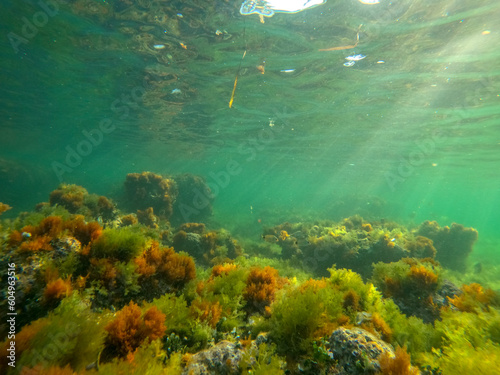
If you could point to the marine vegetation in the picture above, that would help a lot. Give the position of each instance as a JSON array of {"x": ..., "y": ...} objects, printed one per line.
[
  {"x": 177, "y": 199},
  {"x": 120, "y": 244},
  {"x": 414, "y": 285},
  {"x": 101, "y": 289},
  {"x": 400, "y": 364},
  {"x": 4, "y": 207},
  {"x": 149, "y": 190},
  {"x": 131, "y": 328},
  {"x": 162, "y": 270},
  {"x": 453, "y": 243},
  {"x": 207, "y": 247},
  {"x": 260, "y": 289},
  {"x": 355, "y": 244},
  {"x": 77, "y": 200}
]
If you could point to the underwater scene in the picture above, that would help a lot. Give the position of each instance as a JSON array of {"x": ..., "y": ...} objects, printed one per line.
[{"x": 250, "y": 187}]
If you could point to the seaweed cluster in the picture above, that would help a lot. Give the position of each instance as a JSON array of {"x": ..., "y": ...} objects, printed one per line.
[
  {"x": 148, "y": 190},
  {"x": 177, "y": 199},
  {"x": 123, "y": 296},
  {"x": 355, "y": 243},
  {"x": 208, "y": 247},
  {"x": 77, "y": 200},
  {"x": 4, "y": 207},
  {"x": 453, "y": 243}
]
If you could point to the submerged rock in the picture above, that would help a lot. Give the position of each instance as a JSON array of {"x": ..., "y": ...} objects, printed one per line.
[
  {"x": 64, "y": 246},
  {"x": 221, "y": 359},
  {"x": 357, "y": 351},
  {"x": 226, "y": 358}
]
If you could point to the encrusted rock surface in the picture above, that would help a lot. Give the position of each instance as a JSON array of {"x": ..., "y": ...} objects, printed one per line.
[
  {"x": 222, "y": 359},
  {"x": 357, "y": 351}
]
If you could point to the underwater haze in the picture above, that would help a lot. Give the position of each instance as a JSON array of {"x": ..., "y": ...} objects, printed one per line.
[{"x": 414, "y": 123}]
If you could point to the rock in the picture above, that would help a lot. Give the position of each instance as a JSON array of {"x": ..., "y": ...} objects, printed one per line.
[
  {"x": 221, "y": 359},
  {"x": 447, "y": 290},
  {"x": 225, "y": 358},
  {"x": 64, "y": 246},
  {"x": 357, "y": 351},
  {"x": 190, "y": 243}
]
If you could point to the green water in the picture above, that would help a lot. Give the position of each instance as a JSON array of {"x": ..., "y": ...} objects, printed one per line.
[{"x": 410, "y": 133}]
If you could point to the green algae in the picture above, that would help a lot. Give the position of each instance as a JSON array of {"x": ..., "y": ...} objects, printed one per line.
[
  {"x": 72, "y": 335},
  {"x": 122, "y": 244}
]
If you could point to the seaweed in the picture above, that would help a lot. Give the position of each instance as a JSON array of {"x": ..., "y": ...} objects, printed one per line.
[
  {"x": 398, "y": 365},
  {"x": 163, "y": 270},
  {"x": 73, "y": 274},
  {"x": 121, "y": 244},
  {"x": 260, "y": 290},
  {"x": 303, "y": 314},
  {"x": 77, "y": 200},
  {"x": 71, "y": 334},
  {"x": 149, "y": 190},
  {"x": 206, "y": 311},
  {"x": 55, "y": 291},
  {"x": 413, "y": 284},
  {"x": 453, "y": 244},
  {"x": 467, "y": 344},
  {"x": 4, "y": 207},
  {"x": 131, "y": 328},
  {"x": 475, "y": 298}
]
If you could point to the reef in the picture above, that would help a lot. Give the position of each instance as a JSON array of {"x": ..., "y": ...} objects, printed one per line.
[
  {"x": 453, "y": 244},
  {"x": 148, "y": 190},
  {"x": 356, "y": 244},
  {"x": 416, "y": 286},
  {"x": 177, "y": 199},
  {"x": 207, "y": 246},
  {"x": 106, "y": 288},
  {"x": 77, "y": 200}
]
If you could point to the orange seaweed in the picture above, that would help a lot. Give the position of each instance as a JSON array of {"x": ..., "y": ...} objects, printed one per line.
[
  {"x": 198, "y": 228},
  {"x": 4, "y": 207},
  {"x": 206, "y": 311},
  {"x": 83, "y": 232},
  {"x": 56, "y": 290},
  {"x": 424, "y": 278},
  {"x": 35, "y": 245},
  {"x": 381, "y": 327},
  {"x": 51, "y": 226},
  {"x": 260, "y": 288},
  {"x": 39, "y": 237},
  {"x": 474, "y": 298},
  {"x": 128, "y": 330},
  {"x": 400, "y": 364},
  {"x": 175, "y": 269},
  {"x": 222, "y": 269},
  {"x": 15, "y": 238}
]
